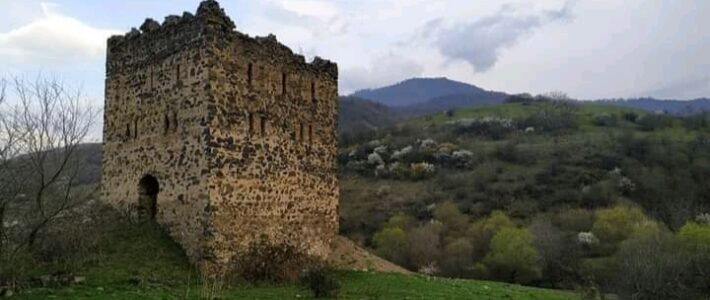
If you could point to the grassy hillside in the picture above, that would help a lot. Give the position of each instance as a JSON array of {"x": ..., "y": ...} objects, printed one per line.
[
  {"x": 143, "y": 263},
  {"x": 583, "y": 188}
]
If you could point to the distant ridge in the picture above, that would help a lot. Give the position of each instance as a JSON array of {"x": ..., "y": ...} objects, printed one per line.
[
  {"x": 420, "y": 90},
  {"x": 370, "y": 109},
  {"x": 671, "y": 106}
]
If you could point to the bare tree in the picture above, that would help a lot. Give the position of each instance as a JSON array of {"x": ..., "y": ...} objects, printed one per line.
[{"x": 43, "y": 124}]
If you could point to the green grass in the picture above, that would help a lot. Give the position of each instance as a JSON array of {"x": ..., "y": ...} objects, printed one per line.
[{"x": 143, "y": 263}]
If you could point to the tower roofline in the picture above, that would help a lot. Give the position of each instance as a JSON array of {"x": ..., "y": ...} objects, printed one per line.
[{"x": 211, "y": 14}]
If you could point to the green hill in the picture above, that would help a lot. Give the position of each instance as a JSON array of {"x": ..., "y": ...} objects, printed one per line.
[
  {"x": 583, "y": 187},
  {"x": 141, "y": 262}
]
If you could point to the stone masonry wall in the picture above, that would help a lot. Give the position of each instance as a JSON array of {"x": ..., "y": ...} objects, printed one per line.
[
  {"x": 239, "y": 132},
  {"x": 154, "y": 122},
  {"x": 273, "y": 147}
]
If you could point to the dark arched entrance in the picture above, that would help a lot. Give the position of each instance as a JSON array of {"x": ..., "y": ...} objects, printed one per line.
[{"x": 148, "y": 189}]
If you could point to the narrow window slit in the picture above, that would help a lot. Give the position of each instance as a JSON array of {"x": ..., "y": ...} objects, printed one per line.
[
  {"x": 300, "y": 133},
  {"x": 262, "y": 125},
  {"x": 251, "y": 124},
  {"x": 283, "y": 83},
  {"x": 250, "y": 74},
  {"x": 166, "y": 124}
]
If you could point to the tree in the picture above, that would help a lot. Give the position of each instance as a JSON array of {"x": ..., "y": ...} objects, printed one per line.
[
  {"x": 425, "y": 245},
  {"x": 457, "y": 259},
  {"x": 694, "y": 240},
  {"x": 482, "y": 231},
  {"x": 455, "y": 222},
  {"x": 616, "y": 224},
  {"x": 40, "y": 132},
  {"x": 649, "y": 267},
  {"x": 392, "y": 244},
  {"x": 513, "y": 257}
]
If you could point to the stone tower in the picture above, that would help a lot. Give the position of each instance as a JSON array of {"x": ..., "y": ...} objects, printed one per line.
[{"x": 224, "y": 139}]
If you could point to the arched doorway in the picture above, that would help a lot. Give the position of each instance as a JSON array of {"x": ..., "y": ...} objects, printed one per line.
[{"x": 148, "y": 189}]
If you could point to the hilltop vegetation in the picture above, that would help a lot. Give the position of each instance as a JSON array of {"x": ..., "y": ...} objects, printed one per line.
[
  {"x": 547, "y": 193},
  {"x": 119, "y": 260}
]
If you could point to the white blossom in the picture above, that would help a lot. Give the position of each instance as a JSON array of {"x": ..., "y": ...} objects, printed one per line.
[
  {"x": 375, "y": 159},
  {"x": 587, "y": 238},
  {"x": 399, "y": 154}
]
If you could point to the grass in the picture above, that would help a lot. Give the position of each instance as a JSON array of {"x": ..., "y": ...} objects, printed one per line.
[{"x": 143, "y": 263}]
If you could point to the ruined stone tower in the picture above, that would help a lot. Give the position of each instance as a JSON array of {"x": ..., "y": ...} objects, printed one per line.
[{"x": 224, "y": 139}]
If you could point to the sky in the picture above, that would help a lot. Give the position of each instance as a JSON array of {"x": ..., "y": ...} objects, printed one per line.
[{"x": 589, "y": 49}]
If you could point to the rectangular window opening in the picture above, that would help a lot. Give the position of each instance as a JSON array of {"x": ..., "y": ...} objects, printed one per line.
[
  {"x": 262, "y": 125},
  {"x": 251, "y": 124},
  {"x": 250, "y": 74},
  {"x": 283, "y": 83}
]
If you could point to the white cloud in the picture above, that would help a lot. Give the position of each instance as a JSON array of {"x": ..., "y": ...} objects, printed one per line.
[
  {"x": 383, "y": 70},
  {"x": 53, "y": 39},
  {"x": 310, "y": 8},
  {"x": 480, "y": 43}
]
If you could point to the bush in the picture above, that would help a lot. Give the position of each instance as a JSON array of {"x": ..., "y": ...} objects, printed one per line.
[
  {"x": 392, "y": 244},
  {"x": 614, "y": 225},
  {"x": 553, "y": 116},
  {"x": 267, "y": 262},
  {"x": 425, "y": 246},
  {"x": 650, "y": 268},
  {"x": 321, "y": 281},
  {"x": 653, "y": 122},
  {"x": 605, "y": 120},
  {"x": 457, "y": 259},
  {"x": 630, "y": 116},
  {"x": 694, "y": 240},
  {"x": 513, "y": 257},
  {"x": 421, "y": 171},
  {"x": 574, "y": 220},
  {"x": 481, "y": 232},
  {"x": 455, "y": 223}
]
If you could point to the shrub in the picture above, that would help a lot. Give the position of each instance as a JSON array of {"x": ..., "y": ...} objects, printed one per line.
[
  {"x": 630, "y": 116},
  {"x": 392, "y": 244},
  {"x": 425, "y": 245},
  {"x": 422, "y": 170},
  {"x": 455, "y": 222},
  {"x": 553, "y": 116},
  {"x": 482, "y": 231},
  {"x": 513, "y": 257},
  {"x": 321, "y": 281},
  {"x": 457, "y": 259},
  {"x": 267, "y": 262},
  {"x": 616, "y": 224},
  {"x": 694, "y": 240},
  {"x": 653, "y": 122},
  {"x": 574, "y": 220},
  {"x": 492, "y": 127},
  {"x": 650, "y": 268},
  {"x": 605, "y": 120}
]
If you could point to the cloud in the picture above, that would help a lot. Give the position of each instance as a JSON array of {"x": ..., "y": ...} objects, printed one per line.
[
  {"x": 480, "y": 42},
  {"x": 319, "y": 17},
  {"x": 310, "y": 8},
  {"x": 383, "y": 70},
  {"x": 53, "y": 39}
]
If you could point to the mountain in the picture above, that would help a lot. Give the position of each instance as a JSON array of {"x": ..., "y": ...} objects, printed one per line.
[
  {"x": 421, "y": 90},
  {"x": 677, "y": 107},
  {"x": 452, "y": 101},
  {"x": 357, "y": 114}
]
